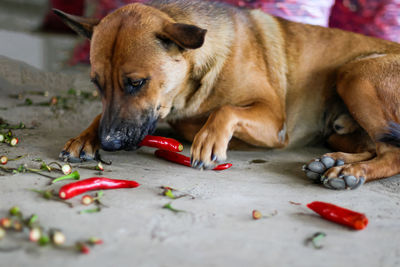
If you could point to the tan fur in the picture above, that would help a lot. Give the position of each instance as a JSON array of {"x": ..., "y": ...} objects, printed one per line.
[{"x": 264, "y": 80}]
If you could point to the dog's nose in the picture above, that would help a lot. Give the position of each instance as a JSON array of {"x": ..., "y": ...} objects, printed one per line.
[{"x": 110, "y": 143}]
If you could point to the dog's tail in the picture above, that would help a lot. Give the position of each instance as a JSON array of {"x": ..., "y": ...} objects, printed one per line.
[{"x": 391, "y": 135}]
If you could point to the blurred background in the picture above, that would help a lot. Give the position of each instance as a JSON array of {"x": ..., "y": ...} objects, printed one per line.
[{"x": 30, "y": 32}]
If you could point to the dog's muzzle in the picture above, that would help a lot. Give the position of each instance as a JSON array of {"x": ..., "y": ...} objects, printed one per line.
[{"x": 125, "y": 135}]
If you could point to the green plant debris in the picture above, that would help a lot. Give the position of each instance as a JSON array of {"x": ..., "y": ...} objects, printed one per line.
[
  {"x": 30, "y": 231},
  {"x": 8, "y": 126},
  {"x": 51, "y": 195},
  {"x": 94, "y": 210},
  {"x": 169, "y": 207},
  {"x": 74, "y": 176},
  {"x": 174, "y": 193},
  {"x": 316, "y": 239}
]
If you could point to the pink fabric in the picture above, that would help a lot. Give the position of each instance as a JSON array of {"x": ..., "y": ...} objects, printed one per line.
[
  {"x": 379, "y": 18},
  {"x": 305, "y": 11}
]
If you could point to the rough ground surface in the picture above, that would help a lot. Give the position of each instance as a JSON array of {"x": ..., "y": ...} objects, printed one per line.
[{"x": 216, "y": 230}]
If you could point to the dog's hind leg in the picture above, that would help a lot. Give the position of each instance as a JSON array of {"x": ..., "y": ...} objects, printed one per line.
[
  {"x": 83, "y": 147},
  {"x": 371, "y": 91}
]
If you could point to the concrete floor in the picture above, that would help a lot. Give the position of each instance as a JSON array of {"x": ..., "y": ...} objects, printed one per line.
[{"x": 216, "y": 230}]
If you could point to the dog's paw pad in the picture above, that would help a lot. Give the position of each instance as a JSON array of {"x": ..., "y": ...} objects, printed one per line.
[
  {"x": 343, "y": 182},
  {"x": 313, "y": 175},
  {"x": 315, "y": 169},
  {"x": 316, "y": 166},
  {"x": 328, "y": 162}
]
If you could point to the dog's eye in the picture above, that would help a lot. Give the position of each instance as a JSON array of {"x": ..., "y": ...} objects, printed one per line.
[
  {"x": 132, "y": 86},
  {"x": 96, "y": 82}
]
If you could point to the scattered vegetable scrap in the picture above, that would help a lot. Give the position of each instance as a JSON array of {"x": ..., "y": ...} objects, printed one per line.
[
  {"x": 9, "y": 138},
  {"x": 94, "y": 183},
  {"x": 174, "y": 193},
  {"x": 51, "y": 195},
  {"x": 355, "y": 220},
  {"x": 168, "y": 206},
  {"x": 3, "y": 160},
  {"x": 66, "y": 169},
  {"x": 4, "y": 125},
  {"x": 14, "y": 141},
  {"x": 295, "y": 203},
  {"x": 88, "y": 199},
  {"x": 162, "y": 143},
  {"x": 315, "y": 240},
  {"x": 69, "y": 102},
  {"x": 74, "y": 175},
  {"x": 256, "y": 215},
  {"x": 183, "y": 160},
  {"x": 35, "y": 233},
  {"x": 5, "y": 222},
  {"x": 57, "y": 237},
  {"x": 94, "y": 210},
  {"x": 98, "y": 167}
]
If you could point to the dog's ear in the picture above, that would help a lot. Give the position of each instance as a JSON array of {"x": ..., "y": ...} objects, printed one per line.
[
  {"x": 185, "y": 35},
  {"x": 83, "y": 26}
]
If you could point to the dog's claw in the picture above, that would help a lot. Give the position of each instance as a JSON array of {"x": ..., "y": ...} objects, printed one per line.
[
  {"x": 200, "y": 164},
  {"x": 83, "y": 156},
  {"x": 194, "y": 164},
  {"x": 86, "y": 157}
]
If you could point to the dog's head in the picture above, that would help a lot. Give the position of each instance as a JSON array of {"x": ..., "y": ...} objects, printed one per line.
[{"x": 138, "y": 65}]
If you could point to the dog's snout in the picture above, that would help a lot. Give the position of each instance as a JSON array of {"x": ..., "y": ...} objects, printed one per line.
[{"x": 111, "y": 143}]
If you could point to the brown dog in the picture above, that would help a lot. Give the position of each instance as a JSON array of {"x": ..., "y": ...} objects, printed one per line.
[{"x": 216, "y": 72}]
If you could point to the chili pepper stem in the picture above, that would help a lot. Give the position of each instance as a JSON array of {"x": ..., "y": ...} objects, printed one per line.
[
  {"x": 169, "y": 207},
  {"x": 74, "y": 175}
]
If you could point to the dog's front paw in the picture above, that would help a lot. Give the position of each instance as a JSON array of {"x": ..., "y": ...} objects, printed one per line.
[
  {"x": 81, "y": 148},
  {"x": 209, "y": 148}
]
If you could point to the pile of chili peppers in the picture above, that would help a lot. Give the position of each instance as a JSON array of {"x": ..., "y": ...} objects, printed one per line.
[{"x": 168, "y": 148}]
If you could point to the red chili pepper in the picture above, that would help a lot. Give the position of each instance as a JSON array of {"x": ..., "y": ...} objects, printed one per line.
[
  {"x": 330, "y": 212},
  {"x": 183, "y": 160},
  {"x": 162, "y": 143},
  {"x": 94, "y": 183}
]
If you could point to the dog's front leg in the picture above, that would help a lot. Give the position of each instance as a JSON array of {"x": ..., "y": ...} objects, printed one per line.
[
  {"x": 257, "y": 124},
  {"x": 83, "y": 147}
]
